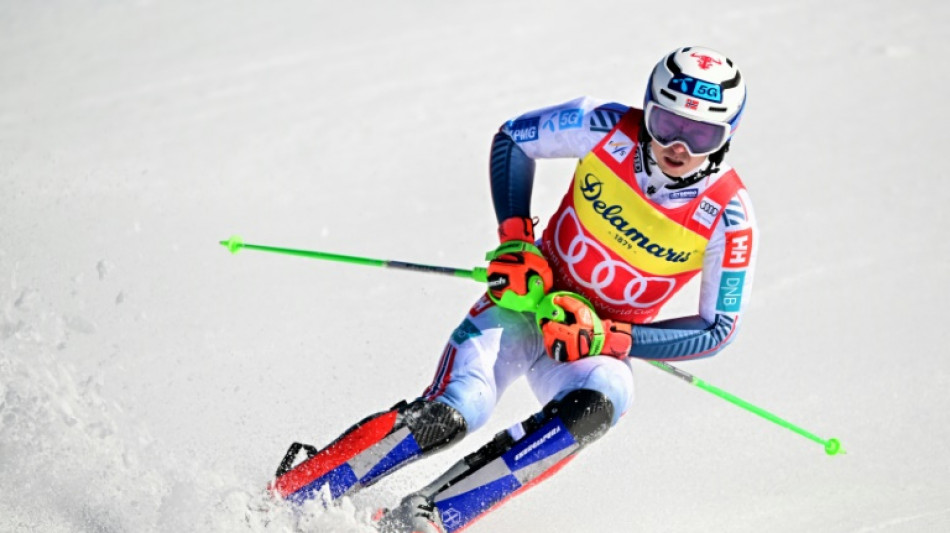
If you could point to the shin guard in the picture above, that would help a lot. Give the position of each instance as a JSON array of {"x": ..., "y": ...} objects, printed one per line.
[
  {"x": 513, "y": 461},
  {"x": 377, "y": 446}
]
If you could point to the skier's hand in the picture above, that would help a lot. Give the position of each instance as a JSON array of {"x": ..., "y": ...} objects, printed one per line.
[
  {"x": 618, "y": 339},
  {"x": 576, "y": 331},
  {"x": 516, "y": 229},
  {"x": 518, "y": 274}
]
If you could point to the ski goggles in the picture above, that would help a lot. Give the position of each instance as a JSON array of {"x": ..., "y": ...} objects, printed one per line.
[{"x": 700, "y": 138}]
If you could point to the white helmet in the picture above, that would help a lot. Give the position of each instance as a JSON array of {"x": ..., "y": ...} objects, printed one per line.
[{"x": 700, "y": 84}]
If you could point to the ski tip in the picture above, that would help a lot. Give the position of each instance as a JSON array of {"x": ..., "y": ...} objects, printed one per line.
[
  {"x": 833, "y": 447},
  {"x": 234, "y": 244}
]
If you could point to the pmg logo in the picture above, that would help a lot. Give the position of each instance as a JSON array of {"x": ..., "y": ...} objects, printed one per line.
[
  {"x": 524, "y": 129},
  {"x": 704, "y": 61}
]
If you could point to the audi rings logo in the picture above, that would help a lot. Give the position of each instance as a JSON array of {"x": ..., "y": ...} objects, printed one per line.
[
  {"x": 709, "y": 208},
  {"x": 592, "y": 266}
]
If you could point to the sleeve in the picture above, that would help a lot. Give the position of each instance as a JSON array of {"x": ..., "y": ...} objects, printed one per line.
[
  {"x": 570, "y": 130},
  {"x": 725, "y": 291}
]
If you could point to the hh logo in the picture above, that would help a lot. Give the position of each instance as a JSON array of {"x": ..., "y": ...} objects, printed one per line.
[{"x": 738, "y": 249}]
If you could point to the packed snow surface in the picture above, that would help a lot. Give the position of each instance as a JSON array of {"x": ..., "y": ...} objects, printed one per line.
[{"x": 151, "y": 381}]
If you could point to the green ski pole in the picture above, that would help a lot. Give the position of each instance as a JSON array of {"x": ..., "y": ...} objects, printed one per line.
[
  {"x": 236, "y": 244},
  {"x": 832, "y": 446}
]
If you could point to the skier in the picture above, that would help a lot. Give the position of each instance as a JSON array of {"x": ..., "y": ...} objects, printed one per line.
[{"x": 651, "y": 205}]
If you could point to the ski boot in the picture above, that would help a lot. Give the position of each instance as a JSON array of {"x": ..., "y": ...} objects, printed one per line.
[
  {"x": 513, "y": 461},
  {"x": 415, "y": 514},
  {"x": 368, "y": 451}
]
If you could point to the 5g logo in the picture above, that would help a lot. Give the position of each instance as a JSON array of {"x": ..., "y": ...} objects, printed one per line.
[
  {"x": 711, "y": 92},
  {"x": 707, "y": 91}
]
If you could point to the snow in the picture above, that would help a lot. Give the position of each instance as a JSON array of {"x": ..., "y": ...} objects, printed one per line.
[{"x": 150, "y": 381}]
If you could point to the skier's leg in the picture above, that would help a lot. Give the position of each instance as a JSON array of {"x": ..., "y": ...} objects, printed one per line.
[
  {"x": 460, "y": 398},
  {"x": 551, "y": 380},
  {"x": 516, "y": 459},
  {"x": 371, "y": 449},
  {"x": 490, "y": 349}
]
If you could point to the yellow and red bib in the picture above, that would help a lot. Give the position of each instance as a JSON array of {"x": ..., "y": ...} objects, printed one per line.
[{"x": 610, "y": 243}]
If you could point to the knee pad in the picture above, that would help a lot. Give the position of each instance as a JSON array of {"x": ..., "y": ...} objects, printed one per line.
[
  {"x": 434, "y": 425},
  {"x": 616, "y": 386},
  {"x": 587, "y": 414}
]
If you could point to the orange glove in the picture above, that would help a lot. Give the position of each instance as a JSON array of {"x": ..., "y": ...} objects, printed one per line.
[
  {"x": 516, "y": 229},
  {"x": 572, "y": 336},
  {"x": 518, "y": 274},
  {"x": 618, "y": 339},
  {"x": 576, "y": 332}
]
